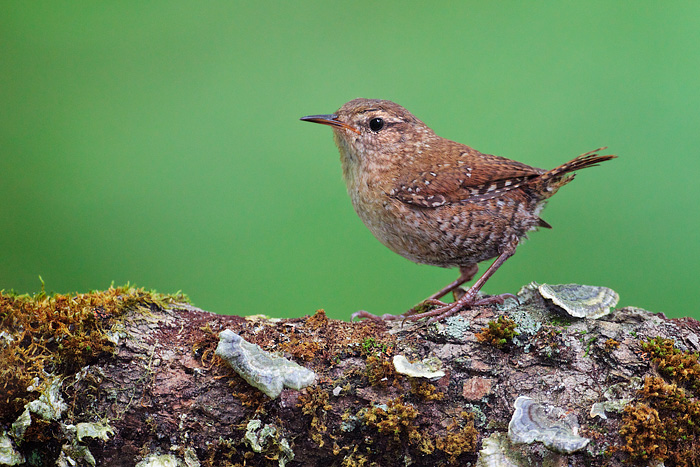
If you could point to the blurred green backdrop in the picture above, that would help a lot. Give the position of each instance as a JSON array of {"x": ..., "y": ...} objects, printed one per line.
[{"x": 159, "y": 143}]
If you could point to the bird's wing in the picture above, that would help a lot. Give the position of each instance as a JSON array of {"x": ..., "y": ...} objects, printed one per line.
[{"x": 461, "y": 175}]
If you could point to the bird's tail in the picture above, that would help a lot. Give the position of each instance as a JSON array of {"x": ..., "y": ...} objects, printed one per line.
[{"x": 554, "y": 179}]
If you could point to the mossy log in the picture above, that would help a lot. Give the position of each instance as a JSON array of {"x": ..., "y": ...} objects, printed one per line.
[{"x": 142, "y": 369}]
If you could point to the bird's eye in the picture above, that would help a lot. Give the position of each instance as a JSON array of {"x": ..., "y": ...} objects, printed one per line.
[{"x": 376, "y": 124}]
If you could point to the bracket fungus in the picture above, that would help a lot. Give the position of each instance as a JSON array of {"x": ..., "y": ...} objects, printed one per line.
[
  {"x": 426, "y": 369},
  {"x": 547, "y": 424},
  {"x": 581, "y": 301},
  {"x": 263, "y": 370}
]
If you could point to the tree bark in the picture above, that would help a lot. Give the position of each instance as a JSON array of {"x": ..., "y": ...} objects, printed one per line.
[{"x": 164, "y": 392}]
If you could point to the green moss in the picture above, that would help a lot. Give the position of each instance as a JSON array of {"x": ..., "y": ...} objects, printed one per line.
[
  {"x": 674, "y": 364},
  {"x": 372, "y": 346},
  {"x": 560, "y": 321},
  {"x": 498, "y": 333},
  {"x": 588, "y": 343}
]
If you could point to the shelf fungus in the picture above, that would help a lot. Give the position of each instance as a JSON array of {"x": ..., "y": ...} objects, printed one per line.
[
  {"x": 580, "y": 301},
  {"x": 425, "y": 369},
  {"x": 547, "y": 424},
  {"x": 263, "y": 370}
]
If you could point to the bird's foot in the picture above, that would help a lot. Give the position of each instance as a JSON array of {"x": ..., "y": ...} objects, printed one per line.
[
  {"x": 445, "y": 310},
  {"x": 423, "y": 307},
  {"x": 437, "y": 310},
  {"x": 362, "y": 314}
]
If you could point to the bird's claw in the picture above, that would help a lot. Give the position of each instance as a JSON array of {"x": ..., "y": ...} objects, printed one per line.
[{"x": 436, "y": 310}]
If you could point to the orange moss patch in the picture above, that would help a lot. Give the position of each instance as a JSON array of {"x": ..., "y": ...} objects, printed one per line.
[
  {"x": 498, "y": 333},
  {"x": 611, "y": 344},
  {"x": 318, "y": 320},
  {"x": 425, "y": 390},
  {"x": 395, "y": 421},
  {"x": 380, "y": 371},
  {"x": 681, "y": 367},
  {"x": 57, "y": 334},
  {"x": 314, "y": 402},
  {"x": 663, "y": 425},
  {"x": 458, "y": 440},
  {"x": 302, "y": 349},
  {"x": 398, "y": 422}
]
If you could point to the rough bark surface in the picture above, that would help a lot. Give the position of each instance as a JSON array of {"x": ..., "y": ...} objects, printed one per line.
[{"x": 164, "y": 391}]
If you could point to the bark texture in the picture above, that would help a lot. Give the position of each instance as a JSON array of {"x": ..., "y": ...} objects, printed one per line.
[{"x": 165, "y": 393}]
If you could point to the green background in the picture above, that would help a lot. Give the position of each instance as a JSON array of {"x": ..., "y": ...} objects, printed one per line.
[{"x": 159, "y": 143}]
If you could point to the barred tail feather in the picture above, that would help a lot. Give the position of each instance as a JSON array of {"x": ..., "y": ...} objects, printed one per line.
[
  {"x": 550, "y": 181},
  {"x": 589, "y": 159}
]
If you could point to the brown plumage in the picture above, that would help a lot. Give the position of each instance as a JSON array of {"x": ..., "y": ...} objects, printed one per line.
[{"x": 435, "y": 201}]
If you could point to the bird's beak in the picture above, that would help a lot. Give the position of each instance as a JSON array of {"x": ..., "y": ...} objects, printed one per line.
[{"x": 331, "y": 120}]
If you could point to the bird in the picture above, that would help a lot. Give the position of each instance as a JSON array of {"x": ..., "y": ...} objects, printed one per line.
[{"x": 438, "y": 202}]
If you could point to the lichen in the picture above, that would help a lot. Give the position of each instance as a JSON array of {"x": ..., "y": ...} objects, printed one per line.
[
  {"x": 266, "y": 439},
  {"x": 163, "y": 460},
  {"x": 97, "y": 430},
  {"x": 50, "y": 404},
  {"x": 48, "y": 407},
  {"x": 616, "y": 398},
  {"x": 453, "y": 328},
  {"x": 8, "y": 454},
  {"x": 261, "y": 369},
  {"x": 497, "y": 452}
]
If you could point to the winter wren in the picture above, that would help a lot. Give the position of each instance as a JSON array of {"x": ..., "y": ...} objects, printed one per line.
[{"x": 438, "y": 202}]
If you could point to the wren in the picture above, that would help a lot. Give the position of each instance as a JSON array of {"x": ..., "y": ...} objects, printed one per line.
[{"x": 435, "y": 201}]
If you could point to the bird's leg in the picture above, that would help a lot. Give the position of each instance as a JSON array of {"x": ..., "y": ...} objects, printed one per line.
[
  {"x": 445, "y": 310},
  {"x": 469, "y": 299},
  {"x": 466, "y": 273}
]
